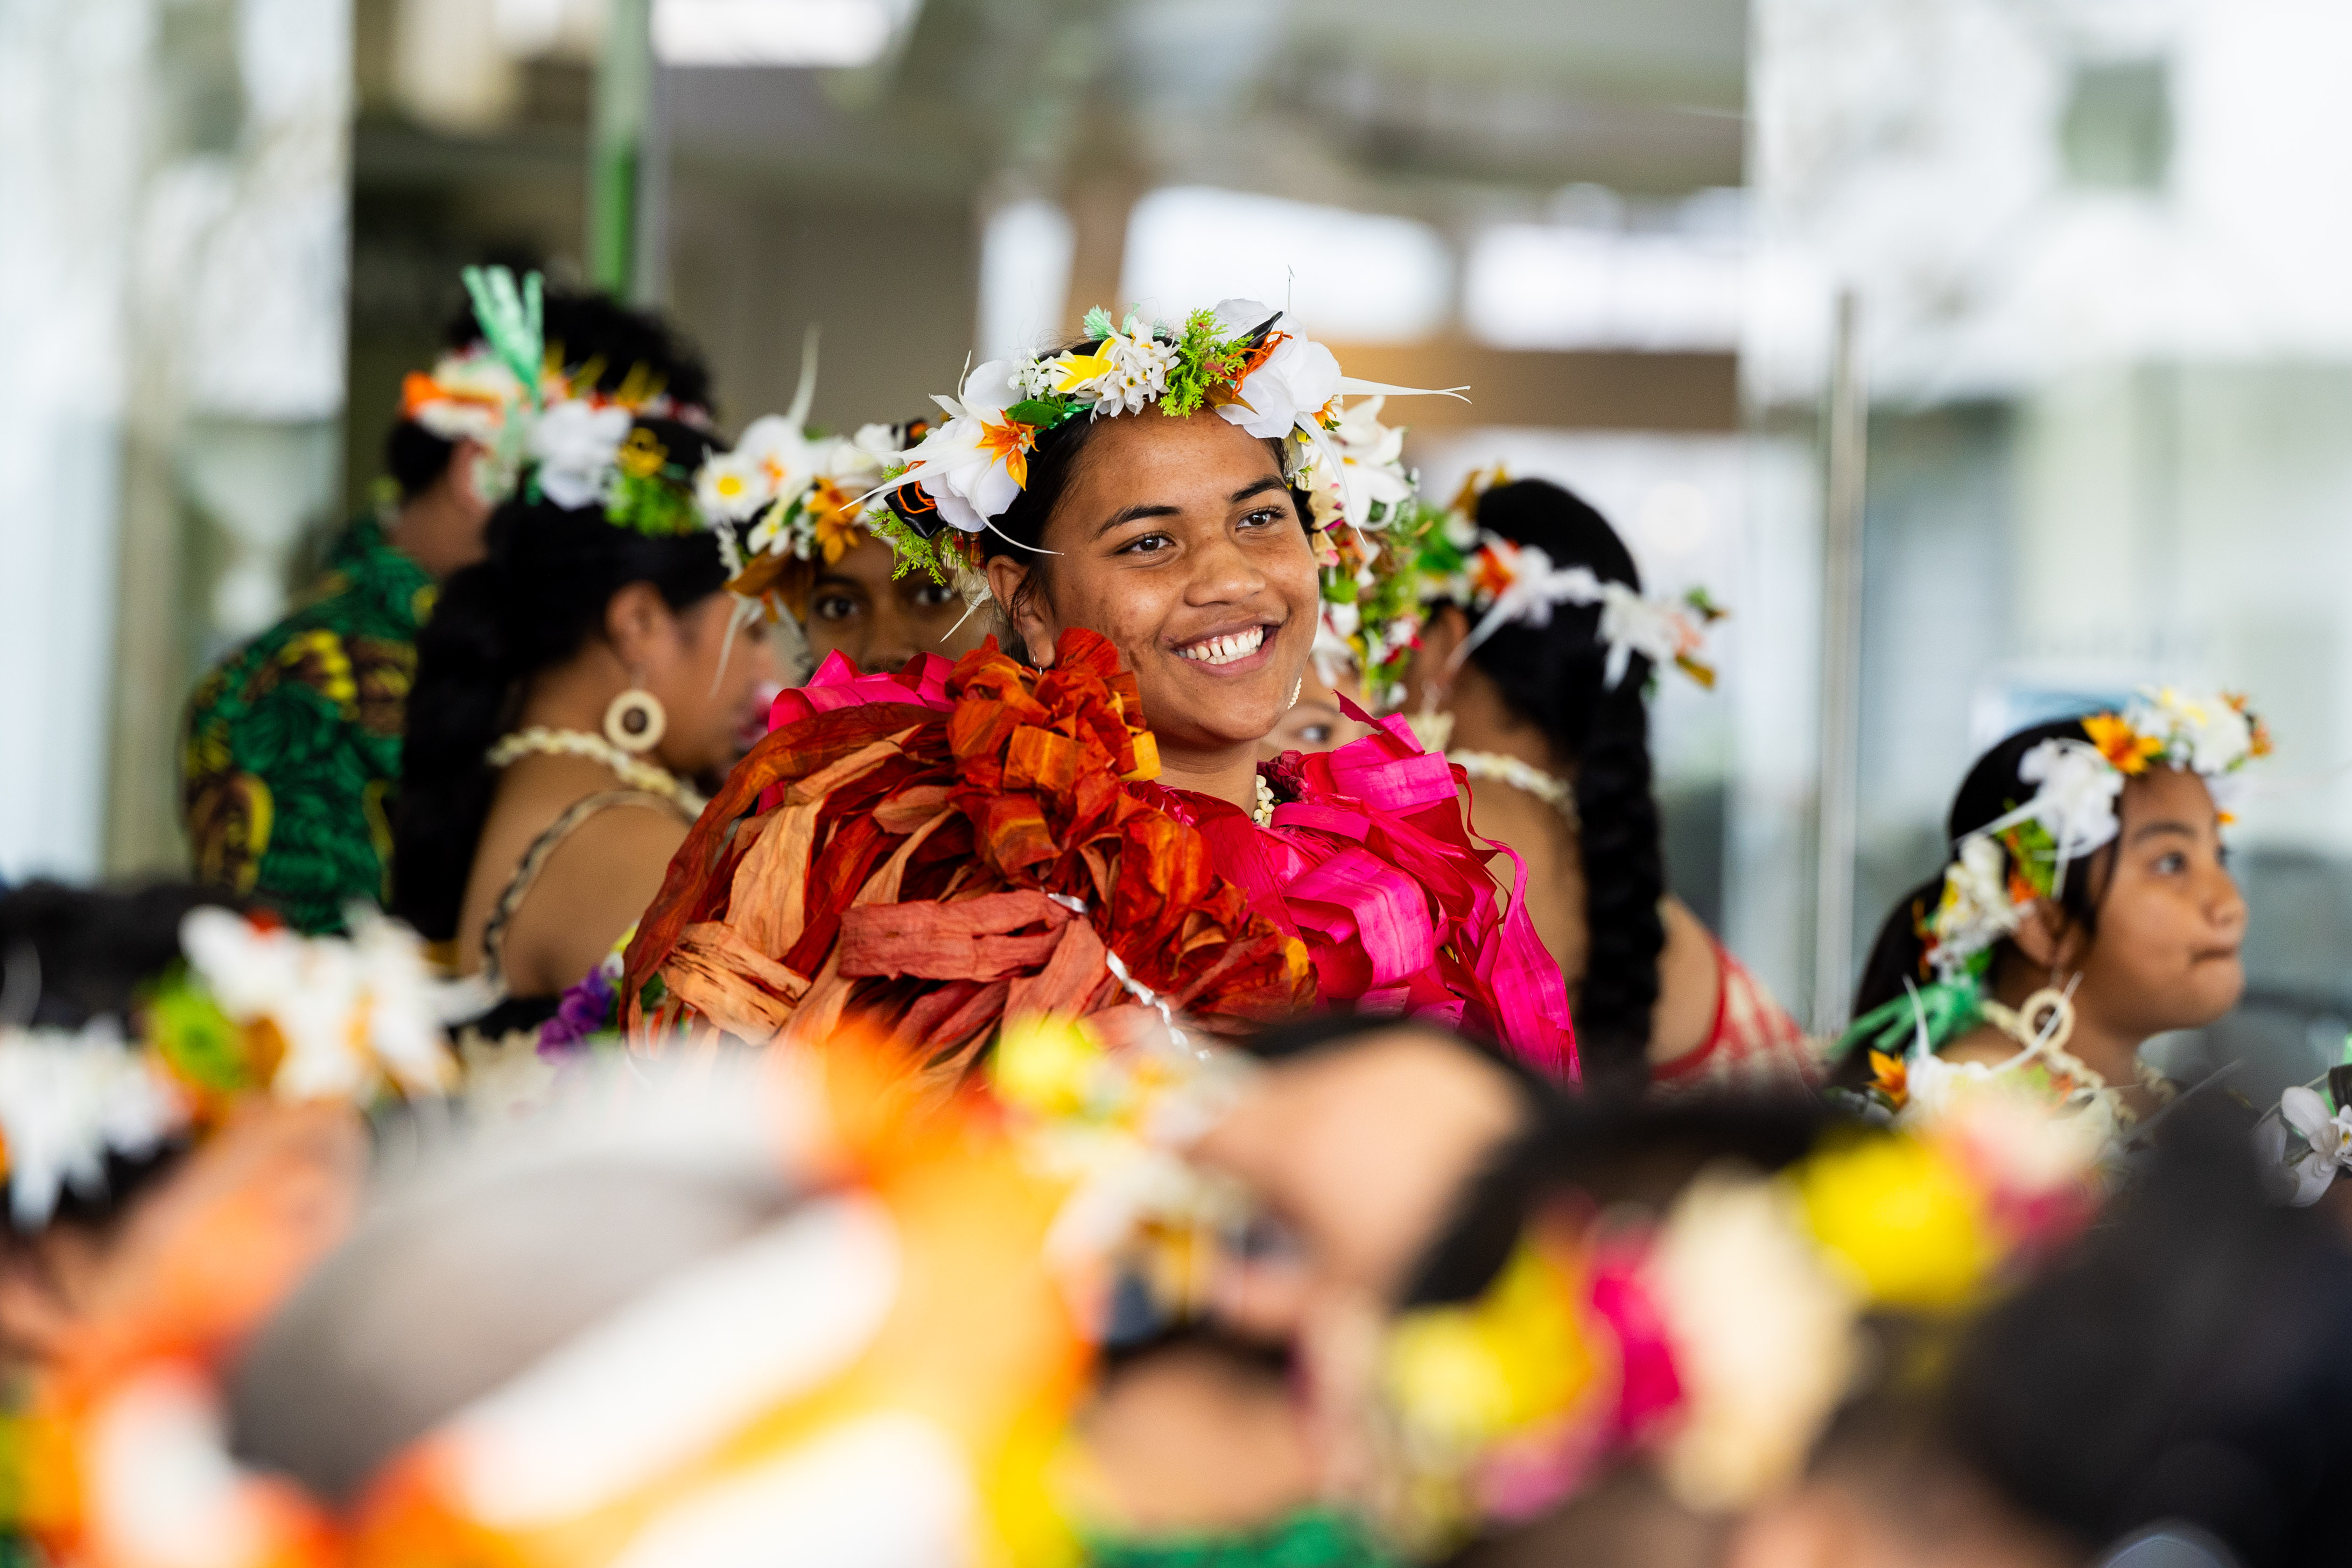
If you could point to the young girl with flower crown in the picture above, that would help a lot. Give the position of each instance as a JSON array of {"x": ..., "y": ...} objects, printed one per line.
[
  {"x": 2087, "y": 907},
  {"x": 1086, "y": 827}
]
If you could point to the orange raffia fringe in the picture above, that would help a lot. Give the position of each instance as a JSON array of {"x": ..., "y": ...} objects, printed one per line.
[{"x": 892, "y": 863}]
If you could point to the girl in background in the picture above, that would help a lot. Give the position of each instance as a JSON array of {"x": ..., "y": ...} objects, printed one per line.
[
  {"x": 2088, "y": 906},
  {"x": 1532, "y": 675}
]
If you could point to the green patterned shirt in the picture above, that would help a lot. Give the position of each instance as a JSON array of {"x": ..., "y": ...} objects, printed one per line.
[{"x": 293, "y": 742}]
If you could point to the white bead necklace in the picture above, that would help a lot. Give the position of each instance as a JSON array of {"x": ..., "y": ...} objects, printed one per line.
[
  {"x": 634, "y": 772},
  {"x": 1551, "y": 790}
]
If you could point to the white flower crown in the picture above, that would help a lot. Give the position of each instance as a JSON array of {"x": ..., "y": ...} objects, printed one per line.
[
  {"x": 1233, "y": 359},
  {"x": 262, "y": 1008},
  {"x": 1513, "y": 583},
  {"x": 2073, "y": 812}
]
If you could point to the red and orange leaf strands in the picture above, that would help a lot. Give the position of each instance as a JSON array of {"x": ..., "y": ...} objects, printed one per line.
[{"x": 901, "y": 872}]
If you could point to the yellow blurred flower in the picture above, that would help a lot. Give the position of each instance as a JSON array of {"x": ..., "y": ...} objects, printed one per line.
[
  {"x": 1045, "y": 1065},
  {"x": 1902, "y": 1219},
  {"x": 1464, "y": 1375}
]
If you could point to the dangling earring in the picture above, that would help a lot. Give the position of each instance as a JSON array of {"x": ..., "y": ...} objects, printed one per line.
[
  {"x": 1433, "y": 726},
  {"x": 636, "y": 720}
]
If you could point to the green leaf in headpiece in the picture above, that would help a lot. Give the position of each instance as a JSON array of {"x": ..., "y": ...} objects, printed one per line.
[
  {"x": 189, "y": 1030},
  {"x": 513, "y": 321},
  {"x": 1097, "y": 323}
]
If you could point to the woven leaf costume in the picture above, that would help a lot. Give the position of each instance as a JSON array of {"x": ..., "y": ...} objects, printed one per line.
[
  {"x": 932, "y": 871},
  {"x": 934, "y": 850}
]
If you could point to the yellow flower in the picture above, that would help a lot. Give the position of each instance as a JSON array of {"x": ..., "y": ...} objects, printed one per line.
[
  {"x": 1078, "y": 370},
  {"x": 1901, "y": 1218},
  {"x": 1465, "y": 1375},
  {"x": 1045, "y": 1065},
  {"x": 642, "y": 456},
  {"x": 833, "y": 521},
  {"x": 2120, "y": 744}
]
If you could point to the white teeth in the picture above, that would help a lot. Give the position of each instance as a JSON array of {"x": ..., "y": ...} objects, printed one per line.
[{"x": 1225, "y": 650}]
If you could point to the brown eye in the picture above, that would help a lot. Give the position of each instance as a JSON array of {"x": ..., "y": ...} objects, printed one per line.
[
  {"x": 930, "y": 595},
  {"x": 833, "y": 607}
]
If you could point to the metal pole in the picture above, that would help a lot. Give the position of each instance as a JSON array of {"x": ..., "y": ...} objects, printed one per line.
[
  {"x": 1840, "y": 723},
  {"x": 624, "y": 79}
]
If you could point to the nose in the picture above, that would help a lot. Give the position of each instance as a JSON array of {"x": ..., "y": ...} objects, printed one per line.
[
  {"x": 2225, "y": 904},
  {"x": 1223, "y": 573},
  {"x": 889, "y": 642}
]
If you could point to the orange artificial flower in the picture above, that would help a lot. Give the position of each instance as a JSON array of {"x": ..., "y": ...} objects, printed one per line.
[
  {"x": 2120, "y": 744},
  {"x": 833, "y": 521},
  {"x": 1891, "y": 1076},
  {"x": 1011, "y": 441}
]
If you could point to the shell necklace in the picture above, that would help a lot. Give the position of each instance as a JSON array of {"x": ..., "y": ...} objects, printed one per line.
[
  {"x": 634, "y": 772},
  {"x": 1548, "y": 787}
]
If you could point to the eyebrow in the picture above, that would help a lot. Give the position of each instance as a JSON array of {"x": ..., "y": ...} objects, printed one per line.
[
  {"x": 2166, "y": 826},
  {"x": 1138, "y": 513}
]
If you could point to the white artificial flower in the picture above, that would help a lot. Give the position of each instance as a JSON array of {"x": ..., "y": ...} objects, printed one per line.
[
  {"x": 476, "y": 393},
  {"x": 349, "y": 1012},
  {"x": 68, "y": 1100},
  {"x": 860, "y": 460},
  {"x": 961, "y": 465},
  {"x": 1288, "y": 389},
  {"x": 1532, "y": 588},
  {"x": 575, "y": 445},
  {"x": 1631, "y": 624},
  {"x": 2204, "y": 734},
  {"x": 1762, "y": 1335},
  {"x": 1136, "y": 366},
  {"x": 1369, "y": 470},
  {"x": 403, "y": 1017},
  {"x": 1975, "y": 911},
  {"x": 731, "y": 486},
  {"x": 2301, "y": 1178},
  {"x": 2076, "y": 794}
]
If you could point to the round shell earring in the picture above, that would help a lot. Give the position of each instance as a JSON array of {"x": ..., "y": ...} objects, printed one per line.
[{"x": 636, "y": 720}]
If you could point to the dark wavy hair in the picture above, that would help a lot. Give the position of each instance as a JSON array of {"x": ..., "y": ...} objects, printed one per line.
[
  {"x": 1020, "y": 530},
  {"x": 1555, "y": 677},
  {"x": 535, "y": 600},
  {"x": 75, "y": 956},
  {"x": 592, "y": 335}
]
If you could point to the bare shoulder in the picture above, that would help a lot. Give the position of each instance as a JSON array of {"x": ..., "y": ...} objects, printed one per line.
[
  {"x": 591, "y": 888},
  {"x": 1690, "y": 985}
]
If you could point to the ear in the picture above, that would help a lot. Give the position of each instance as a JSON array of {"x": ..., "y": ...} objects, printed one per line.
[
  {"x": 638, "y": 624},
  {"x": 2046, "y": 937},
  {"x": 1030, "y": 621}
]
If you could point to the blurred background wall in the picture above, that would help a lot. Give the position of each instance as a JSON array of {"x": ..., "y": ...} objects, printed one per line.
[{"x": 2095, "y": 270}]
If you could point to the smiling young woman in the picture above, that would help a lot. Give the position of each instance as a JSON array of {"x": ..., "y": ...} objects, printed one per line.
[{"x": 1079, "y": 822}]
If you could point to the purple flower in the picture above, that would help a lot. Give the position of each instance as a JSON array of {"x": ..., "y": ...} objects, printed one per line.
[{"x": 589, "y": 1008}]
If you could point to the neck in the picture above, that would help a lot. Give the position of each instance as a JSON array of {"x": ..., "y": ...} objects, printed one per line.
[
  {"x": 436, "y": 529},
  {"x": 1484, "y": 722},
  {"x": 574, "y": 693},
  {"x": 2106, "y": 1050},
  {"x": 1230, "y": 772}
]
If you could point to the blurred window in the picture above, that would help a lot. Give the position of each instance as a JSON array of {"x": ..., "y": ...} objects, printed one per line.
[
  {"x": 2118, "y": 125},
  {"x": 776, "y": 32},
  {"x": 1025, "y": 250},
  {"x": 1358, "y": 277}
]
